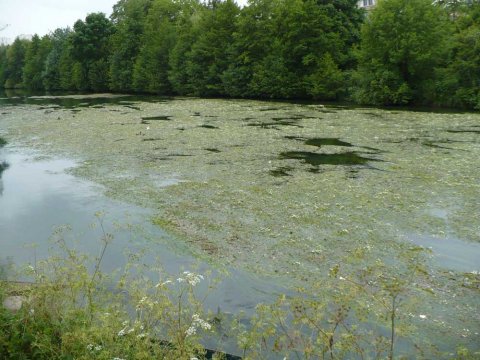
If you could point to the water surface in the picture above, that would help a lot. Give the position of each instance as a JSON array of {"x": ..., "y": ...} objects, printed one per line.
[{"x": 40, "y": 196}]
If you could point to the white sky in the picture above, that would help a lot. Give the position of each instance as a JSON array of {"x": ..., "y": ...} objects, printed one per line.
[{"x": 27, "y": 17}]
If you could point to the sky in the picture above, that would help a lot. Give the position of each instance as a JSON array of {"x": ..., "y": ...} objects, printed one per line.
[{"x": 28, "y": 17}]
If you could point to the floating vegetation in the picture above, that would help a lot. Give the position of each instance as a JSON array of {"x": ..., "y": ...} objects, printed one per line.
[
  {"x": 3, "y": 142},
  {"x": 273, "y": 201},
  {"x": 207, "y": 126}
]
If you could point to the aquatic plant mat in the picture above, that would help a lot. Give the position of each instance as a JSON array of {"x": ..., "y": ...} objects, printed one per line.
[{"x": 291, "y": 190}]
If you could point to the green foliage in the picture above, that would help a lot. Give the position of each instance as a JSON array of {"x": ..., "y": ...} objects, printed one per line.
[
  {"x": 3, "y": 65},
  {"x": 15, "y": 61},
  {"x": 150, "y": 72},
  {"x": 347, "y": 315},
  {"x": 128, "y": 18},
  {"x": 69, "y": 312},
  {"x": 209, "y": 57},
  {"x": 271, "y": 77},
  {"x": 53, "y": 73},
  {"x": 326, "y": 81},
  {"x": 71, "y": 309},
  {"x": 402, "y": 43},
  {"x": 187, "y": 34},
  {"x": 284, "y": 49},
  {"x": 458, "y": 83},
  {"x": 90, "y": 48},
  {"x": 411, "y": 51},
  {"x": 35, "y": 59}
]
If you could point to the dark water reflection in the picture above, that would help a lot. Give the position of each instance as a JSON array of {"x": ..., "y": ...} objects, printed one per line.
[
  {"x": 75, "y": 101},
  {"x": 316, "y": 159},
  {"x": 319, "y": 142}
]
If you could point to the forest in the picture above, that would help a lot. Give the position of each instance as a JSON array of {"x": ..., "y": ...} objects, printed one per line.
[{"x": 403, "y": 52}]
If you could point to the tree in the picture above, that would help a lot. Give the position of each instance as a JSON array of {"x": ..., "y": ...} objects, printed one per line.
[
  {"x": 52, "y": 73},
  {"x": 186, "y": 28},
  {"x": 209, "y": 56},
  {"x": 14, "y": 64},
  {"x": 90, "y": 49},
  {"x": 251, "y": 44},
  {"x": 286, "y": 48},
  {"x": 402, "y": 43},
  {"x": 128, "y": 18},
  {"x": 151, "y": 67},
  {"x": 458, "y": 83},
  {"x": 35, "y": 60},
  {"x": 3, "y": 65}
]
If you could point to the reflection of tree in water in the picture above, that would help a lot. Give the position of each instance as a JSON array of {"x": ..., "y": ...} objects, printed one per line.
[{"x": 3, "y": 166}]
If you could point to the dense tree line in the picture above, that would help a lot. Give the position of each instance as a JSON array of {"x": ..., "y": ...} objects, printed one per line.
[{"x": 402, "y": 52}]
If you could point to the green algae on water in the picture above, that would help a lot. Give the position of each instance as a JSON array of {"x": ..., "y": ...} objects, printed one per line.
[{"x": 269, "y": 201}]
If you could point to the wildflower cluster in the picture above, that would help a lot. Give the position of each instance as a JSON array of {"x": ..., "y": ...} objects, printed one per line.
[
  {"x": 146, "y": 302},
  {"x": 91, "y": 347},
  {"x": 163, "y": 283},
  {"x": 191, "y": 278},
  {"x": 197, "y": 323},
  {"x": 125, "y": 329}
]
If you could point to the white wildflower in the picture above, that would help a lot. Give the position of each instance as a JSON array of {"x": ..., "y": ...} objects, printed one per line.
[
  {"x": 197, "y": 322},
  {"x": 192, "y": 278},
  {"x": 164, "y": 283},
  {"x": 122, "y": 332},
  {"x": 205, "y": 325},
  {"x": 117, "y": 358},
  {"x": 130, "y": 331},
  {"x": 141, "y": 336},
  {"x": 125, "y": 323},
  {"x": 98, "y": 348},
  {"x": 90, "y": 347},
  {"x": 192, "y": 330},
  {"x": 202, "y": 323},
  {"x": 341, "y": 278},
  {"x": 193, "y": 358},
  {"x": 423, "y": 317}
]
